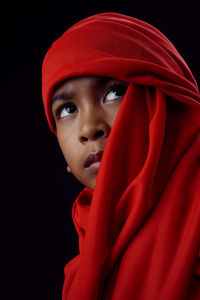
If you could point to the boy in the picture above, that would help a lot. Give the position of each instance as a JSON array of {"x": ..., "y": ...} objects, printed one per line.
[{"x": 124, "y": 105}]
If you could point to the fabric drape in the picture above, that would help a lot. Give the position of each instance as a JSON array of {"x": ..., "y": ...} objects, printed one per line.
[{"x": 139, "y": 230}]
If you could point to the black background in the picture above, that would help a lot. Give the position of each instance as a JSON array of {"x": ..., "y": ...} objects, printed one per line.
[{"x": 38, "y": 237}]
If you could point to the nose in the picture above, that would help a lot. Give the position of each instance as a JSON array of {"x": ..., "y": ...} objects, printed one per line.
[{"x": 93, "y": 127}]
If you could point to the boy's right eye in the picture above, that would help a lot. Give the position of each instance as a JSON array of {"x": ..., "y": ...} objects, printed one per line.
[{"x": 65, "y": 110}]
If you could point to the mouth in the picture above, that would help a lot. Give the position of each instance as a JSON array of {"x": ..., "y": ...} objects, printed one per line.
[{"x": 93, "y": 160}]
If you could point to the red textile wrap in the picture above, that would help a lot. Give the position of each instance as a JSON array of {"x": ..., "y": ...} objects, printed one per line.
[{"x": 139, "y": 231}]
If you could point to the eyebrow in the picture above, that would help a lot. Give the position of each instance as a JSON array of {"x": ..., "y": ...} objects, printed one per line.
[
  {"x": 61, "y": 96},
  {"x": 67, "y": 95}
]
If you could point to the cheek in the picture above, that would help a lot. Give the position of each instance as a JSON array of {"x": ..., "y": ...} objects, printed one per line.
[
  {"x": 113, "y": 114},
  {"x": 67, "y": 145}
]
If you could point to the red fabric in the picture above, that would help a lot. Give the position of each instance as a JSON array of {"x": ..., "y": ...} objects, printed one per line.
[{"x": 139, "y": 230}]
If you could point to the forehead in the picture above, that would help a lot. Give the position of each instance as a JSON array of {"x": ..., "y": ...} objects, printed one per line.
[
  {"x": 67, "y": 88},
  {"x": 80, "y": 81}
]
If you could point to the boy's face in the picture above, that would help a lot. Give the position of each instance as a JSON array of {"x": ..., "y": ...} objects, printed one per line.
[{"x": 84, "y": 109}]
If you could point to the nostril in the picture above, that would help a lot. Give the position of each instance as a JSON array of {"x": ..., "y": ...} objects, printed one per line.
[
  {"x": 99, "y": 133},
  {"x": 84, "y": 139},
  {"x": 92, "y": 136}
]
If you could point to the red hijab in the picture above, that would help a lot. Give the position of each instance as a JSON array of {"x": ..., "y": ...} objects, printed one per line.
[{"x": 139, "y": 231}]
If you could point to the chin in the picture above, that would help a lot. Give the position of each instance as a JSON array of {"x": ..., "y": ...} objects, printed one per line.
[
  {"x": 89, "y": 181},
  {"x": 91, "y": 185}
]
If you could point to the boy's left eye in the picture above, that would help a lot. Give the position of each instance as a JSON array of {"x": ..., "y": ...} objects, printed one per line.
[{"x": 115, "y": 92}]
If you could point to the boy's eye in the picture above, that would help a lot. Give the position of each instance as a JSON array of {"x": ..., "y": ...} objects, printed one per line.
[
  {"x": 115, "y": 92},
  {"x": 65, "y": 110}
]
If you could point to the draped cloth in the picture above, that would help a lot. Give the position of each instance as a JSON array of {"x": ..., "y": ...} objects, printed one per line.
[{"x": 139, "y": 230}]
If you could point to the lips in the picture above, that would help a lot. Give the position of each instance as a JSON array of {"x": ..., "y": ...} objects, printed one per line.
[{"x": 93, "y": 159}]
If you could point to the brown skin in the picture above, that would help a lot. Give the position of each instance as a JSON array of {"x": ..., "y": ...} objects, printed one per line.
[{"x": 84, "y": 109}]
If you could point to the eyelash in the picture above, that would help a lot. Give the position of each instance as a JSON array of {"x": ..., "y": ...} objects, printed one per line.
[
  {"x": 61, "y": 107},
  {"x": 108, "y": 90},
  {"x": 114, "y": 88}
]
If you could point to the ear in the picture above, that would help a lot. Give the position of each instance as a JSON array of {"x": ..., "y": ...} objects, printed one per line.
[{"x": 68, "y": 169}]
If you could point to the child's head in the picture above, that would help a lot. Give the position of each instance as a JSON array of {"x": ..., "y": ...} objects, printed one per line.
[
  {"x": 84, "y": 79},
  {"x": 84, "y": 109}
]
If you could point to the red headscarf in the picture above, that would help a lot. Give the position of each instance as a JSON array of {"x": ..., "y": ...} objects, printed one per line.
[{"x": 139, "y": 231}]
